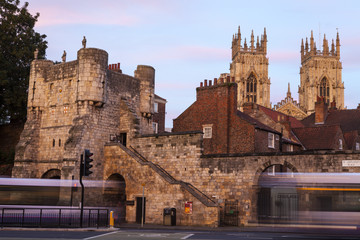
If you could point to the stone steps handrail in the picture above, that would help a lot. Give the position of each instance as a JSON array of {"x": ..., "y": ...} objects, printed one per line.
[{"x": 170, "y": 179}]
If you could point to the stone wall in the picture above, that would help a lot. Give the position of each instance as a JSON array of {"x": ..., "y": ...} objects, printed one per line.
[
  {"x": 159, "y": 192},
  {"x": 232, "y": 177}
]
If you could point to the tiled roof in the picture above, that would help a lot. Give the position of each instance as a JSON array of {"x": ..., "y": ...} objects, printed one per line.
[
  {"x": 319, "y": 137},
  {"x": 278, "y": 116},
  {"x": 350, "y": 138},
  {"x": 157, "y": 97},
  {"x": 349, "y": 120},
  {"x": 255, "y": 122}
]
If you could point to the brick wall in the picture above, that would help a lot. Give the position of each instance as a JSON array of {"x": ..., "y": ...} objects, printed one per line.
[
  {"x": 215, "y": 106},
  {"x": 159, "y": 116}
]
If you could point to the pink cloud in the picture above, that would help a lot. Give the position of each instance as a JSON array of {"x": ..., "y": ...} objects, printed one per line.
[
  {"x": 105, "y": 12},
  {"x": 58, "y": 15}
]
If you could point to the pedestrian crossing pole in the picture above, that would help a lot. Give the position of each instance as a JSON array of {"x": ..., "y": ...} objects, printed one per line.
[{"x": 143, "y": 206}]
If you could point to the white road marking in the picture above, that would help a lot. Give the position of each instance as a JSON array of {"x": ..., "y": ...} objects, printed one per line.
[
  {"x": 101, "y": 235},
  {"x": 186, "y": 237}
]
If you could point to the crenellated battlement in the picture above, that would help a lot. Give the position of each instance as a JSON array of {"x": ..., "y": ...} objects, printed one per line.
[
  {"x": 309, "y": 49},
  {"x": 79, "y": 104},
  {"x": 259, "y": 48}
]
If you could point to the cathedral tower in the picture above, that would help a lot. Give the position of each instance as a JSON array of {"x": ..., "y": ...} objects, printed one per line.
[
  {"x": 320, "y": 74},
  {"x": 249, "y": 67}
]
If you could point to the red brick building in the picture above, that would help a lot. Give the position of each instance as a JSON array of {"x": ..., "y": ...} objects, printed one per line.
[
  {"x": 159, "y": 114},
  {"x": 330, "y": 129},
  {"x": 226, "y": 130},
  {"x": 278, "y": 121}
]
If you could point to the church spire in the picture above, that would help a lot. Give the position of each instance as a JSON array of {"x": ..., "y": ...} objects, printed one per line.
[
  {"x": 325, "y": 46},
  {"x": 302, "y": 47},
  {"x": 332, "y": 48},
  {"x": 252, "y": 41},
  {"x": 288, "y": 94},
  {"x": 337, "y": 46},
  {"x": 265, "y": 41},
  {"x": 312, "y": 44}
]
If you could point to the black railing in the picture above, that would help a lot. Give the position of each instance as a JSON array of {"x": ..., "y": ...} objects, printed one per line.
[{"x": 53, "y": 217}]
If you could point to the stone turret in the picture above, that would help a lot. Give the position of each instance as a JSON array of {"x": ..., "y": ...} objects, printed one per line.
[
  {"x": 146, "y": 75},
  {"x": 92, "y": 75}
]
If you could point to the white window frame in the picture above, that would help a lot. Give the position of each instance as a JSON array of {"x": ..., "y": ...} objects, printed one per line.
[
  {"x": 357, "y": 146},
  {"x": 207, "y": 130},
  {"x": 156, "y": 107},
  {"x": 290, "y": 148},
  {"x": 155, "y": 126},
  {"x": 271, "y": 140},
  {"x": 340, "y": 144}
]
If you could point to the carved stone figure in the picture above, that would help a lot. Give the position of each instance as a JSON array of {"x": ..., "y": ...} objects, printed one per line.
[
  {"x": 84, "y": 42},
  {"x": 64, "y": 56}
]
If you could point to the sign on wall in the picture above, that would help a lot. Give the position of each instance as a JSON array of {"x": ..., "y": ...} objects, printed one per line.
[
  {"x": 351, "y": 163},
  {"x": 188, "y": 207}
]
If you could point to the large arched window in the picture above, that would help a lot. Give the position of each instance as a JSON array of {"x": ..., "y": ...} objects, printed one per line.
[
  {"x": 251, "y": 89},
  {"x": 324, "y": 90}
]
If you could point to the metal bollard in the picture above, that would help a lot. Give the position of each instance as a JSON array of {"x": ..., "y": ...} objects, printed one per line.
[{"x": 111, "y": 219}]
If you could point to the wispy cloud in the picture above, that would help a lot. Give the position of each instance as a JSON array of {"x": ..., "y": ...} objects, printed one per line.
[{"x": 106, "y": 12}]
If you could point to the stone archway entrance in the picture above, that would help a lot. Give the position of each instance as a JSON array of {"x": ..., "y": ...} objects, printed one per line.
[
  {"x": 115, "y": 196},
  {"x": 52, "y": 191},
  {"x": 277, "y": 202},
  {"x": 52, "y": 174}
]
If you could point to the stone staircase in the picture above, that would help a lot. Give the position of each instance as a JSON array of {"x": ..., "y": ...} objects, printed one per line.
[{"x": 207, "y": 201}]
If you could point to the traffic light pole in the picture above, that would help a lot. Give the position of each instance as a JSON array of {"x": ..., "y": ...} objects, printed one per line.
[{"x": 82, "y": 190}]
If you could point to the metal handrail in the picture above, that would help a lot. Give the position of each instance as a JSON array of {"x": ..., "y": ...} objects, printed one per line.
[{"x": 53, "y": 217}]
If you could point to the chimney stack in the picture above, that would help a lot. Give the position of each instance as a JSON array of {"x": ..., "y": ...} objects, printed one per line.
[{"x": 321, "y": 110}]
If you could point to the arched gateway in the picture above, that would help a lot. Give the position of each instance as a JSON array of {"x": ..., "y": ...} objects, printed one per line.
[
  {"x": 275, "y": 204},
  {"x": 115, "y": 195}
]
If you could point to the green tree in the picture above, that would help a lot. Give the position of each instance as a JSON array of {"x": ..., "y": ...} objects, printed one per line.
[{"x": 18, "y": 41}]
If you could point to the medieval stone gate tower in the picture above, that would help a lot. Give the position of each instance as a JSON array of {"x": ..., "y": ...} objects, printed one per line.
[
  {"x": 250, "y": 68},
  {"x": 80, "y": 105},
  {"x": 320, "y": 74}
]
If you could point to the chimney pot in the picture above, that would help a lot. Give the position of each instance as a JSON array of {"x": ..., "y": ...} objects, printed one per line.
[{"x": 205, "y": 83}]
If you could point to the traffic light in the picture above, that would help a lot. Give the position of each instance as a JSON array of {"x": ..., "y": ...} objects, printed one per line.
[{"x": 87, "y": 162}]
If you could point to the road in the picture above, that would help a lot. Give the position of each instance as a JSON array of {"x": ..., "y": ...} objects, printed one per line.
[{"x": 131, "y": 234}]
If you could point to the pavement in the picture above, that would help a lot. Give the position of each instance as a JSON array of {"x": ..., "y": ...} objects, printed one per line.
[{"x": 284, "y": 228}]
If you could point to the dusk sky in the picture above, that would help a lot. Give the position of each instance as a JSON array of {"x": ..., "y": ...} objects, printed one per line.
[{"x": 187, "y": 41}]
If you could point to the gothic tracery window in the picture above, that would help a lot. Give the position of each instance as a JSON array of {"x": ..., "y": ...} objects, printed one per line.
[
  {"x": 251, "y": 89},
  {"x": 324, "y": 90}
]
